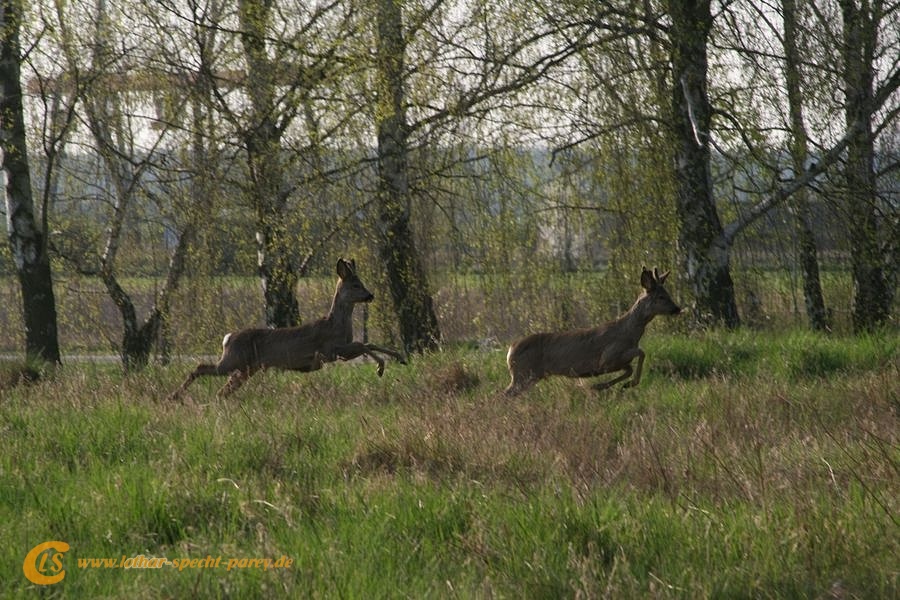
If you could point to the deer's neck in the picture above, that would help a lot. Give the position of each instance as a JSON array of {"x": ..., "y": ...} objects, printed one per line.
[
  {"x": 636, "y": 318},
  {"x": 341, "y": 317}
]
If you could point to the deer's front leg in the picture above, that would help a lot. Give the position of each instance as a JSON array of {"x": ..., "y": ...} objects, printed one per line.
[
  {"x": 315, "y": 362},
  {"x": 637, "y": 372},
  {"x": 626, "y": 357},
  {"x": 373, "y": 348},
  {"x": 605, "y": 384},
  {"x": 354, "y": 349}
]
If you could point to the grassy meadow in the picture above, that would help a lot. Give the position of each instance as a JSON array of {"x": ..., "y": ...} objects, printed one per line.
[{"x": 746, "y": 465}]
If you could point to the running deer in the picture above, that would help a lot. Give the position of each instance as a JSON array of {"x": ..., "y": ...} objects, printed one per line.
[
  {"x": 608, "y": 348},
  {"x": 304, "y": 348}
]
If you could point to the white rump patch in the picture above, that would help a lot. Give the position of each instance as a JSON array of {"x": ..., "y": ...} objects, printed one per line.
[{"x": 225, "y": 339}]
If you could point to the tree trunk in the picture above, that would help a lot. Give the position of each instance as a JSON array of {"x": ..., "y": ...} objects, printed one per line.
[
  {"x": 26, "y": 239},
  {"x": 701, "y": 237},
  {"x": 107, "y": 123},
  {"x": 276, "y": 269},
  {"x": 808, "y": 255},
  {"x": 872, "y": 295},
  {"x": 406, "y": 277},
  {"x": 139, "y": 339},
  {"x": 268, "y": 188}
]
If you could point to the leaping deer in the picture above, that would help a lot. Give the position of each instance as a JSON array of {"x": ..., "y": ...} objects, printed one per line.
[
  {"x": 609, "y": 348},
  {"x": 304, "y": 348}
]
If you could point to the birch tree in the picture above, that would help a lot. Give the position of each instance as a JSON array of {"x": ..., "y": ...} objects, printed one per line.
[
  {"x": 105, "y": 85},
  {"x": 861, "y": 24},
  {"x": 701, "y": 235},
  {"x": 800, "y": 154},
  {"x": 26, "y": 228},
  {"x": 696, "y": 125},
  {"x": 406, "y": 277},
  {"x": 442, "y": 67}
]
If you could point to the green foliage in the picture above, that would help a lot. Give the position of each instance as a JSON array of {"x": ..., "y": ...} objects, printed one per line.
[
  {"x": 769, "y": 470},
  {"x": 745, "y": 353}
]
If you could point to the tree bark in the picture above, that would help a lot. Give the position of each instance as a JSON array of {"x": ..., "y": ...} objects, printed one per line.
[
  {"x": 27, "y": 240},
  {"x": 407, "y": 280},
  {"x": 873, "y": 296},
  {"x": 268, "y": 193},
  {"x": 701, "y": 237},
  {"x": 104, "y": 115},
  {"x": 808, "y": 254}
]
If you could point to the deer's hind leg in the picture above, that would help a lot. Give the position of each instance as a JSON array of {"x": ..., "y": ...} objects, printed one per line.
[
  {"x": 201, "y": 370},
  {"x": 235, "y": 380},
  {"x": 523, "y": 375},
  {"x": 520, "y": 382}
]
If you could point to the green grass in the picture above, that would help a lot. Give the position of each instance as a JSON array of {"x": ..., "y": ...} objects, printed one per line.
[
  {"x": 746, "y": 464},
  {"x": 747, "y": 352}
]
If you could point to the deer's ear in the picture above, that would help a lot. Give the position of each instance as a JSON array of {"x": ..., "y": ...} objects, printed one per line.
[
  {"x": 344, "y": 268},
  {"x": 646, "y": 279},
  {"x": 661, "y": 279}
]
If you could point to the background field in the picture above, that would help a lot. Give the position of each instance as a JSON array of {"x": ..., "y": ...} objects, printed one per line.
[
  {"x": 746, "y": 464},
  {"x": 495, "y": 308}
]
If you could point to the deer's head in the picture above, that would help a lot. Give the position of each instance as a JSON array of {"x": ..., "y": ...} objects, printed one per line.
[
  {"x": 350, "y": 288},
  {"x": 660, "y": 303}
]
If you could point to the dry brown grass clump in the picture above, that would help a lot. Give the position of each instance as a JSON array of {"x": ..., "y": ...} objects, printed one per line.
[
  {"x": 13, "y": 375},
  {"x": 455, "y": 378},
  {"x": 751, "y": 441}
]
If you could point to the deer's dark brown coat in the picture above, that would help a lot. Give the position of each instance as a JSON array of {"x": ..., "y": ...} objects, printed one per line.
[
  {"x": 608, "y": 348},
  {"x": 303, "y": 348}
]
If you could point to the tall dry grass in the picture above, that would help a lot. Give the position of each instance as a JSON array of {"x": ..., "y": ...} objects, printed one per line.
[{"x": 773, "y": 470}]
